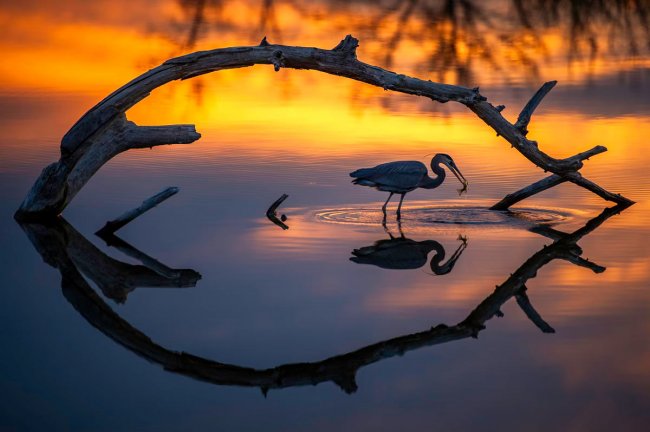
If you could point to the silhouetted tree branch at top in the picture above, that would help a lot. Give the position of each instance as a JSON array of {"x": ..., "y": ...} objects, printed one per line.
[
  {"x": 625, "y": 23},
  {"x": 268, "y": 24},
  {"x": 207, "y": 16},
  {"x": 455, "y": 34},
  {"x": 197, "y": 20}
]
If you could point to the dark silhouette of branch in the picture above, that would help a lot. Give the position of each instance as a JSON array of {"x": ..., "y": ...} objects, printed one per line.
[
  {"x": 103, "y": 132},
  {"x": 115, "y": 224},
  {"x": 272, "y": 215},
  {"x": 58, "y": 240},
  {"x": 197, "y": 21},
  {"x": 524, "y": 303}
]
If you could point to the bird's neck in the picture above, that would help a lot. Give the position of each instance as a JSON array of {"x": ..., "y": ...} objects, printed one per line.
[
  {"x": 432, "y": 245},
  {"x": 434, "y": 182}
]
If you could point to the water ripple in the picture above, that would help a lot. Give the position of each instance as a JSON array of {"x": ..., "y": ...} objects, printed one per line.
[{"x": 449, "y": 215}]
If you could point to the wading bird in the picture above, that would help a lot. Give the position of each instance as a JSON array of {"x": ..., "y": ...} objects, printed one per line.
[{"x": 404, "y": 176}]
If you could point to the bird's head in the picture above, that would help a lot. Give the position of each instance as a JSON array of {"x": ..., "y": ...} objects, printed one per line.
[{"x": 446, "y": 160}]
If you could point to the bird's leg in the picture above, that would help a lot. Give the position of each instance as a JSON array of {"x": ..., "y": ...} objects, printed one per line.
[
  {"x": 399, "y": 227},
  {"x": 399, "y": 207},
  {"x": 383, "y": 208}
]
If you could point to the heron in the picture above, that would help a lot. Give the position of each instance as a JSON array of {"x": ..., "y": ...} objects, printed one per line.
[{"x": 402, "y": 177}]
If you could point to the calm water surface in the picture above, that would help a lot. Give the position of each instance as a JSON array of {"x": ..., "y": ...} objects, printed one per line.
[{"x": 86, "y": 354}]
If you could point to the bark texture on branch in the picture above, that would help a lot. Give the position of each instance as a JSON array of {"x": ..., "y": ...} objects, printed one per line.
[
  {"x": 60, "y": 182},
  {"x": 535, "y": 188},
  {"x": 103, "y": 131}
]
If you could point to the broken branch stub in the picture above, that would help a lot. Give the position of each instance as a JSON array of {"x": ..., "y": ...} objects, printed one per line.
[
  {"x": 527, "y": 112},
  {"x": 104, "y": 131},
  {"x": 151, "y": 202},
  {"x": 272, "y": 215}
]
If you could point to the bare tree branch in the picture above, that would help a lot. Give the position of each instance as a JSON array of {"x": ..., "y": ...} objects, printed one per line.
[
  {"x": 104, "y": 132},
  {"x": 535, "y": 188}
]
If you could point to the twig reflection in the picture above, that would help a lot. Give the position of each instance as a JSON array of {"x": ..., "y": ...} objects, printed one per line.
[{"x": 63, "y": 248}]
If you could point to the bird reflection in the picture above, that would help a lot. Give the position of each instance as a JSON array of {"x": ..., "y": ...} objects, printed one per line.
[{"x": 402, "y": 253}]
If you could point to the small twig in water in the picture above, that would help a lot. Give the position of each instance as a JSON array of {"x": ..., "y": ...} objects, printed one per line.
[
  {"x": 125, "y": 218},
  {"x": 272, "y": 215}
]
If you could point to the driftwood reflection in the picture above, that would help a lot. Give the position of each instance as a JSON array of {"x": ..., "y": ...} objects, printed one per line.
[
  {"x": 61, "y": 247},
  {"x": 402, "y": 253},
  {"x": 58, "y": 240},
  {"x": 196, "y": 11}
]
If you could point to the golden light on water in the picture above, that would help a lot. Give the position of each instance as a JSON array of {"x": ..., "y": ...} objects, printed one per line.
[
  {"x": 89, "y": 57},
  {"x": 53, "y": 56},
  {"x": 101, "y": 41}
]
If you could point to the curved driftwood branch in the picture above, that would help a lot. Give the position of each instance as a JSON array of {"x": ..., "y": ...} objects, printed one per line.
[
  {"x": 60, "y": 182},
  {"x": 104, "y": 131}
]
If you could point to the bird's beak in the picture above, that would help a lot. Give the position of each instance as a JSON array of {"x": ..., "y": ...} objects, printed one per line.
[{"x": 461, "y": 178}]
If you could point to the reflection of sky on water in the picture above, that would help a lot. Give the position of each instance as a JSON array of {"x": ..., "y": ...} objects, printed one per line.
[
  {"x": 262, "y": 304},
  {"x": 269, "y": 296}
]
